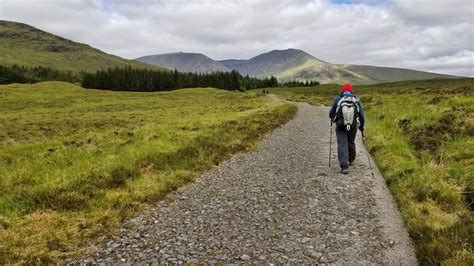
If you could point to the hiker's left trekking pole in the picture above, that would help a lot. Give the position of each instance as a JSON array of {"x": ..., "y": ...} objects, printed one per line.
[
  {"x": 367, "y": 150},
  {"x": 330, "y": 142}
]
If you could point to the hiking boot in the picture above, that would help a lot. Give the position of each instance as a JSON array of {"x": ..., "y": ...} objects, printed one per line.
[
  {"x": 351, "y": 163},
  {"x": 345, "y": 171}
]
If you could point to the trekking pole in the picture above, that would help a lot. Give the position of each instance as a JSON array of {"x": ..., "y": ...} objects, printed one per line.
[
  {"x": 330, "y": 142},
  {"x": 367, "y": 150}
]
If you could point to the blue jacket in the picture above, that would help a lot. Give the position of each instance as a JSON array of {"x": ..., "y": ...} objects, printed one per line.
[{"x": 332, "y": 112}]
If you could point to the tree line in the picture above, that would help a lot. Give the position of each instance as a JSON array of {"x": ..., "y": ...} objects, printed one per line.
[
  {"x": 130, "y": 79},
  {"x": 22, "y": 74},
  {"x": 310, "y": 83}
]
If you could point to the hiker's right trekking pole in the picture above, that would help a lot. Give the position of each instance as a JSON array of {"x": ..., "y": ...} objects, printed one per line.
[
  {"x": 367, "y": 150},
  {"x": 330, "y": 142}
]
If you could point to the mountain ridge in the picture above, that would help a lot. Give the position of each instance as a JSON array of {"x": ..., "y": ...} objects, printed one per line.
[
  {"x": 184, "y": 62},
  {"x": 294, "y": 64}
]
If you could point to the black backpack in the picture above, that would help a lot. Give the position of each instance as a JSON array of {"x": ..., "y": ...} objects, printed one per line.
[{"x": 347, "y": 112}]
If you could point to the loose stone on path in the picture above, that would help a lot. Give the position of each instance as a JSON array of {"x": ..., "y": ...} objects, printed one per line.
[{"x": 278, "y": 204}]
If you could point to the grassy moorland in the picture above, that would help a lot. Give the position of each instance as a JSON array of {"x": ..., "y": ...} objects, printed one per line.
[
  {"x": 76, "y": 163},
  {"x": 421, "y": 135}
]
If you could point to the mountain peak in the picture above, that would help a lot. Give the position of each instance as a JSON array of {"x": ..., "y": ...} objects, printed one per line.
[
  {"x": 288, "y": 52},
  {"x": 178, "y": 54},
  {"x": 184, "y": 62}
]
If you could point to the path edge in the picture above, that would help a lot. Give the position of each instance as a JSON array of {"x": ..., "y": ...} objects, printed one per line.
[{"x": 402, "y": 250}]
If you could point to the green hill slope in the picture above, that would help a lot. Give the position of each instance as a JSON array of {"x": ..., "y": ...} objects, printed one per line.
[
  {"x": 390, "y": 74},
  {"x": 22, "y": 44}
]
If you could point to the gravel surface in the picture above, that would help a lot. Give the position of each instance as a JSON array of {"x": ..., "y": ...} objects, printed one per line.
[{"x": 279, "y": 204}]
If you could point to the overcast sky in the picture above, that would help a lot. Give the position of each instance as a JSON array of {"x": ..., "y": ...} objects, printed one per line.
[{"x": 431, "y": 35}]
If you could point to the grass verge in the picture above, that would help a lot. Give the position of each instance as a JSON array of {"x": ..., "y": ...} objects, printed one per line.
[
  {"x": 76, "y": 163},
  {"x": 421, "y": 134}
]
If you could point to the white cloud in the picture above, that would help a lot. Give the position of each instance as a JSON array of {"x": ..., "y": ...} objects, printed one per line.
[{"x": 425, "y": 35}]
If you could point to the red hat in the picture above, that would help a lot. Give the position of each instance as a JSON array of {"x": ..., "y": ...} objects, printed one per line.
[{"x": 347, "y": 87}]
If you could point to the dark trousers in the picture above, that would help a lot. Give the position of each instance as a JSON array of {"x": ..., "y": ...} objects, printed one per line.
[{"x": 346, "y": 149}]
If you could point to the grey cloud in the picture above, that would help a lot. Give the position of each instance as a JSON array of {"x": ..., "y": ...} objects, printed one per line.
[{"x": 434, "y": 12}]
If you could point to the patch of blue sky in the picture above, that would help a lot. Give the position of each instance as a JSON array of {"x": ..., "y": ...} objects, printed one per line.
[
  {"x": 104, "y": 5},
  {"x": 367, "y": 2}
]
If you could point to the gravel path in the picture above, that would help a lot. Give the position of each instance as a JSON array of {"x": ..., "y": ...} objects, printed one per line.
[{"x": 279, "y": 204}]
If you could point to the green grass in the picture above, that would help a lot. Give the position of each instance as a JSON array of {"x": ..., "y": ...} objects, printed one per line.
[
  {"x": 421, "y": 134},
  {"x": 21, "y": 44},
  {"x": 388, "y": 74},
  {"x": 76, "y": 163}
]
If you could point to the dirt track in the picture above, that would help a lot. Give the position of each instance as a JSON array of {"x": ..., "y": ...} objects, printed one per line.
[{"x": 278, "y": 204}]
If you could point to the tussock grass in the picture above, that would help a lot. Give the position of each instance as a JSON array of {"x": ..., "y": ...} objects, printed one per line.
[
  {"x": 421, "y": 134},
  {"x": 76, "y": 163}
]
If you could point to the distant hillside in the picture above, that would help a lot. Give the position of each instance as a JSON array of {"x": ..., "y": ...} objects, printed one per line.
[
  {"x": 276, "y": 62},
  {"x": 232, "y": 63},
  {"x": 289, "y": 65},
  {"x": 293, "y": 64},
  {"x": 22, "y": 44},
  {"x": 389, "y": 74},
  {"x": 184, "y": 62}
]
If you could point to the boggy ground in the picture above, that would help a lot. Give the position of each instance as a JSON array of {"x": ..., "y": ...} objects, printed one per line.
[{"x": 279, "y": 204}]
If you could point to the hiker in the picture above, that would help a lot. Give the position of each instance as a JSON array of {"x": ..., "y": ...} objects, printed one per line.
[{"x": 347, "y": 113}]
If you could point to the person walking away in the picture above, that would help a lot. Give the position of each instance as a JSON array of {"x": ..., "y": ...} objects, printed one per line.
[{"x": 348, "y": 115}]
